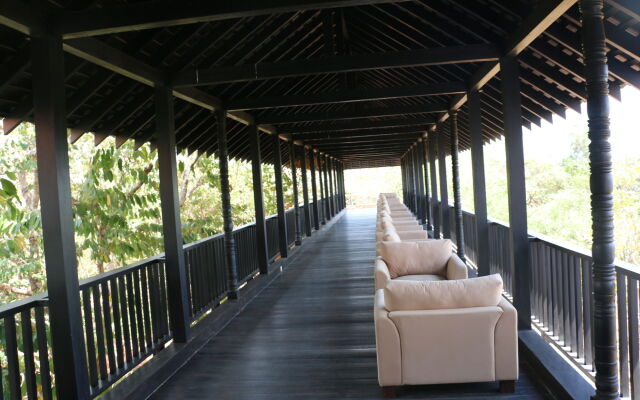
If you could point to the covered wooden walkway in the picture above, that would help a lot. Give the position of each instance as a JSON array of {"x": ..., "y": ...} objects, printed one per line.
[{"x": 310, "y": 334}]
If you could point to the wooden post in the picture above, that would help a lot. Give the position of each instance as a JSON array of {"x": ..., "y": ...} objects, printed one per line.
[
  {"x": 70, "y": 364},
  {"x": 420, "y": 181},
  {"x": 403, "y": 176},
  {"x": 457, "y": 200},
  {"x": 327, "y": 199},
  {"x": 479, "y": 189},
  {"x": 314, "y": 190},
  {"x": 322, "y": 199},
  {"x": 230, "y": 250},
  {"x": 258, "y": 201},
  {"x": 434, "y": 185},
  {"x": 601, "y": 183},
  {"x": 444, "y": 194},
  {"x": 331, "y": 194},
  {"x": 305, "y": 192},
  {"x": 294, "y": 182},
  {"x": 282, "y": 222},
  {"x": 171, "y": 224},
  {"x": 424, "y": 157},
  {"x": 518, "y": 235}
]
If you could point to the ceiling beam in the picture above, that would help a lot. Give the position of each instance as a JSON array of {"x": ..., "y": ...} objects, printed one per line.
[
  {"x": 101, "y": 54},
  {"x": 349, "y": 96},
  {"x": 533, "y": 26},
  {"x": 164, "y": 13},
  {"x": 351, "y": 113},
  {"x": 359, "y": 125},
  {"x": 337, "y": 64},
  {"x": 370, "y": 133}
]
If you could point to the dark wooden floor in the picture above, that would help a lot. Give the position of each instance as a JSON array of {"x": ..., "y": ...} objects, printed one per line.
[{"x": 310, "y": 334}]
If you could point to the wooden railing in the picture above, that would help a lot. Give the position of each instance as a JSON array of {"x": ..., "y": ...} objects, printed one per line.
[
  {"x": 562, "y": 301},
  {"x": 124, "y": 312}
]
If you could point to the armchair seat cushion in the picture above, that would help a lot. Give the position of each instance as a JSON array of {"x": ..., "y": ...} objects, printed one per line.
[
  {"x": 420, "y": 278},
  {"x": 406, "y": 295}
]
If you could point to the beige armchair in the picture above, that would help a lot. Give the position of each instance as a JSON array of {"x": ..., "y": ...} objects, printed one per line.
[
  {"x": 459, "y": 331},
  {"x": 418, "y": 260}
]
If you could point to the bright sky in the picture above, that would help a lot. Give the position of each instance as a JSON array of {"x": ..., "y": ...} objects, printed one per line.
[{"x": 550, "y": 142}]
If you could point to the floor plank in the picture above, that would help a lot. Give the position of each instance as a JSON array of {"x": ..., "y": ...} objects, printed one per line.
[{"x": 310, "y": 334}]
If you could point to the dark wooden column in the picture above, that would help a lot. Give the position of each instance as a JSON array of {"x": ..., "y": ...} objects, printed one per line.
[
  {"x": 511, "y": 103},
  {"x": 404, "y": 181},
  {"x": 321, "y": 200},
  {"x": 444, "y": 194},
  {"x": 435, "y": 213},
  {"x": 314, "y": 190},
  {"x": 258, "y": 200},
  {"x": 294, "y": 181},
  {"x": 325, "y": 180},
  {"x": 70, "y": 364},
  {"x": 305, "y": 192},
  {"x": 282, "y": 222},
  {"x": 412, "y": 181},
  {"x": 171, "y": 224},
  {"x": 424, "y": 156},
  {"x": 455, "y": 176},
  {"x": 343, "y": 191},
  {"x": 331, "y": 194},
  {"x": 230, "y": 250},
  {"x": 417, "y": 156},
  {"x": 601, "y": 183},
  {"x": 479, "y": 189}
]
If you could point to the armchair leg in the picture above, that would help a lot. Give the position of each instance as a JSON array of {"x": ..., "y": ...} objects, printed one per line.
[
  {"x": 389, "y": 392},
  {"x": 507, "y": 386}
]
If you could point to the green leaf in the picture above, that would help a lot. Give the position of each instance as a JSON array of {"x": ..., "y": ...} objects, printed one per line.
[{"x": 8, "y": 187}]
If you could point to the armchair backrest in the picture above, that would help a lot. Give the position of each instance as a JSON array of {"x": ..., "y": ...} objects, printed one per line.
[{"x": 416, "y": 258}]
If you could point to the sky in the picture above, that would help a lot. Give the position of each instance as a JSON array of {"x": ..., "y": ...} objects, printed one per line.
[{"x": 551, "y": 143}]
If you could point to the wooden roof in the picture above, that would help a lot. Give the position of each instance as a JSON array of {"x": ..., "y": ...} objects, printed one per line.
[{"x": 358, "y": 79}]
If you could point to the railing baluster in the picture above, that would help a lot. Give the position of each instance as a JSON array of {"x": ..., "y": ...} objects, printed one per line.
[
  {"x": 13, "y": 364},
  {"x": 139, "y": 313},
  {"x": 117, "y": 322},
  {"x": 89, "y": 337},
  {"x": 28, "y": 352},
  {"x": 43, "y": 354},
  {"x": 623, "y": 333},
  {"x": 586, "y": 311},
  {"x": 122, "y": 287},
  {"x": 97, "y": 314},
  {"x": 144, "y": 280},
  {"x": 132, "y": 317},
  {"x": 163, "y": 297},
  {"x": 108, "y": 327},
  {"x": 634, "y": 348}
]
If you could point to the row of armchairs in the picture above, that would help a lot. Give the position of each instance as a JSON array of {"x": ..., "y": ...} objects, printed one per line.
[{"x": 433, "y": 324}]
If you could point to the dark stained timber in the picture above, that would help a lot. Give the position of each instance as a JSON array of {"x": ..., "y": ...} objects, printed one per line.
[
  {"x": 349, "y": 96},
  {"x": 444, "y": 194},
  {"x": 305, "y": 191},
  {"x": 479, "y": 188},
  {"x": 518, "y": 234},
  {"x": 314, "y": 189},
  {"x": 294, "y": 182},
  {"x": 427, "y": 195},
  {"x": 277, "y": 172},
  {"x": 170, "y": 205},
  {"x": 601, "y": 183},
  {"x": 230, "y": 250},
  {"x": 258, "y": 200},
  {"x": 70, "y": 365},
  {"x": 432, "y": 144},
  {"x": 338, "y": 64},
  {"x": 455, "y": 176}
]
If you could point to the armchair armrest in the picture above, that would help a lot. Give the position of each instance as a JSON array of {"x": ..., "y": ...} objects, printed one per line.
[
  {"x": 506, "y": 339},
  {"x": 388, "y": 349},
  {"x": 381, "y": 273},
  {"x": 456, "y": 269}
]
